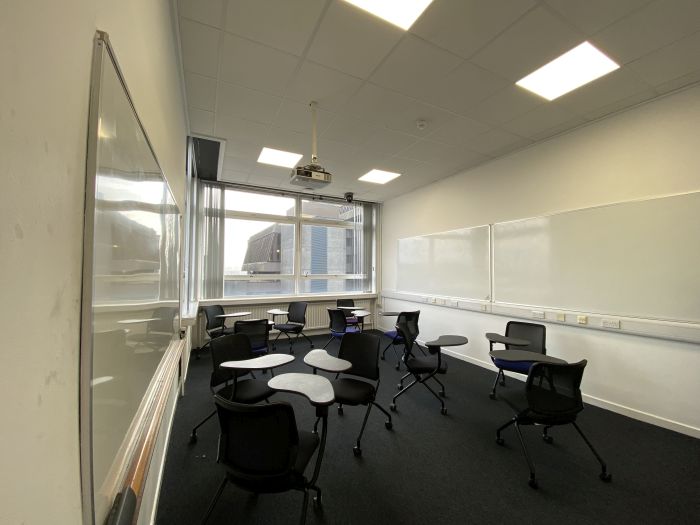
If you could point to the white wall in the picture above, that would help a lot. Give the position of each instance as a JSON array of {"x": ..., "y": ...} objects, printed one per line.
[
  {"x": 45, "y": 58},
  {"x": 647, "y": 151}
]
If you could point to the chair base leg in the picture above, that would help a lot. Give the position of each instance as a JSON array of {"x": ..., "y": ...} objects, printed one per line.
[
  {"x": 492, "y": 395},
  {"x": 604, "y": 474},
  {"x": 193, "y": 435},
  {"x": 213, "y": 502}
]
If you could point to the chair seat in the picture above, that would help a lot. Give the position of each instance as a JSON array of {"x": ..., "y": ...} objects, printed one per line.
[
  {"x": 248, "y": 391},
  {"x": 352, "y": 392},
  {"x": 218, "y": 332},
  {"x": 392, "y": 334},
  {"x": 289, "y": 327},
  {"x": 423, "y": 365},
  {"x": 348, "y": 330},
  {"x": 259, "y": 348},
  {"x": 521, "y": 367},
  {"x": 352, "y": 320}
]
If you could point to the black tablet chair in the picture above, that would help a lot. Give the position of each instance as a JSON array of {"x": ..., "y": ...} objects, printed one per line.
[
  {"x": 552, "y": 397},
  {"x": 421, "y": 368},
  {"x": 536, "y": 334},
  {"x": 351, "y": 319},
  {"x": 258, "y": 332},
  {"x": 225, "y": 382},
  {"x": 215, "y": 326},
  {"x": 296, "y": 320},
  {"x": 339, "y": 325},
  {"x": 263, "y": 451},
  {"x": 409, "y": 318},
  {"x": 159, "y": 331},
  {"x": 362, "y": 350}
]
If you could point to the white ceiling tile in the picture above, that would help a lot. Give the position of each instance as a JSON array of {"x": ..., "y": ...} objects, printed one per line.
[
  {"x": 463, "y": 88},
  {"x": 457, "y": 132},
  {"x": 255, "y": 65},
  {"x": 593, "y": 15},
  {"x": 289, "y": 140},
  {"x": 678, "y": 83},
  {"x": 238, "y": 164},
  {"x": 282, "y": 24},
  {"x": 332, "y": 152},
  {"x": 534, "y": 40},
  {"x": 200, "y": 47},
  {"x": 210, "y": 12},
  {"x": 673, "y": 61},
  {"x": 201, "y": 91},
  {"x": 238, "y": 101},
  {"x": 505, "y": 105},
  {"x": 464, "y": 26},
  {"x": 656, "y": 25},
  {"x": 540, "y": 120},
  {"x": 331, "y": 89},
  {"x": 414, "y": 66},
  {"x": 496, "y": 140},
  {"x": 244, "y": 138},
  {"x": 380, "y": 142},
  {"x": 619, "y": 105},
  {"x": 428, "y": 151},
  {"x": 349, "y": 130},
  {"x": 234, "y": 176},
  {"x": 352, "y": 41},
  {"x": 201, "y": 121},
  {"x": 296, "y": 116},
  {"x": 270, "y": 173},
  {"x": 603, "y": 91}
]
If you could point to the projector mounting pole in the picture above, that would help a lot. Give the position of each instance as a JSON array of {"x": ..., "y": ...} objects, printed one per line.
[{"x": 314, "y": 150}]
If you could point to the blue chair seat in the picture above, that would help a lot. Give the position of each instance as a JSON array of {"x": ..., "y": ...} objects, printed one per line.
[
  {"x": 352, "y": 320},
  {"x": 392, "y": 334},
  {"x": 289, "y": 327},
  {"x": 522, "y": 367},
  {"x": 348, "y": 330}
]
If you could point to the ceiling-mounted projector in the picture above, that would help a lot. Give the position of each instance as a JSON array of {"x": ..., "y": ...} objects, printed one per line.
[{"x": 312, "y": 176}]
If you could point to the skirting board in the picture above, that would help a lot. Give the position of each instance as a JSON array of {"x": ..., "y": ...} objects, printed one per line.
[
  {"x": 669, "y": 330},
  {"x": 595, "y": 401}
]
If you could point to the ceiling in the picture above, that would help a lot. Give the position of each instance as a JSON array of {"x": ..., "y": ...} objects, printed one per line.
[{"x": 253, "y": 66}]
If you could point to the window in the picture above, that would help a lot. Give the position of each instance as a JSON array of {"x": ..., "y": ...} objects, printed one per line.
[{"x": 257, "y": 243}]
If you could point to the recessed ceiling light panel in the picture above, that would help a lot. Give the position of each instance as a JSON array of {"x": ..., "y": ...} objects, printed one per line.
[
  {"x": 401, "y": 13},
  {"x": 279, "y": 158},
  {"x": 573, "y": 69},
  {"x": 379, "y": 176}
]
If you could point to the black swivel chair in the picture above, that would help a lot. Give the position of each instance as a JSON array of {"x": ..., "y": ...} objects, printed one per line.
[
  {"x": 263, "y": 452},
  {"x": 339, "y": 325},
  {"x": 421, "y": 368},
  {"x": 409, "y": 318},
  {"x": 351, "y": 319},
  {"x": 215, "y": 326},
  {"x": 362, "y": 350},
  {"x": 224, "y": 382},
  {"x": 258, "y": 332},
  {"x": 296, "y": 320},
  {"x": 552, "y": 397},
  {"x": 535, "y": 333}
]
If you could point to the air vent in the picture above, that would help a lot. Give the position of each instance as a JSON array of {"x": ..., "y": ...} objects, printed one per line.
[{"x": 208, "y": 157}]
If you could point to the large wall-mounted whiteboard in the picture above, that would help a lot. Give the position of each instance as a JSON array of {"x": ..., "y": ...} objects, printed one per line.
[
  {"x": 453, "y": 264},
  {"x": 637, "y": 259}
]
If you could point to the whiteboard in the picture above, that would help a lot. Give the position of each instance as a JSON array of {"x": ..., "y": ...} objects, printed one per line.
[
  {"x": 452, "y": 264},
  {"x": 637, "y": 259}
]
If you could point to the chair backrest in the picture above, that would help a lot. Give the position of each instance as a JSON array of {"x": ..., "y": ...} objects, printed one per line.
[
  {"x": 338, "y": 321},
  {"x": 297, "y": 312},
  {"x": 232, "y": 347},
  {"x": 409, "y": 334},
  {"x": 410, "y": 320},
  {"x": 257, "y": 330},
  {"x": 257, "y": 440},
  {"x": 553, "y": 389},
  {"x": 362, "y": 350},
  {"x": 345, "y": 302},
  {"x": 211, "y": 312},
  {"x": 535, "y": 333}
]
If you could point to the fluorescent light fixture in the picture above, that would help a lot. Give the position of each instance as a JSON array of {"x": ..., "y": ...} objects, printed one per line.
[
  {"x": 401, "y": 13},
  {"x": 279, "y": 158},
  {"x": 379, "y": 176},
  {"x": 573, "y": 69}
]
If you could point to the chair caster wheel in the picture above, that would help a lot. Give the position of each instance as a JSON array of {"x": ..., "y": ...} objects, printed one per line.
[
  {"x": 357, "y": 451},
  {"x": 318, "y": 502},
  {"x": 340, "y": 411},
  {"x": 381, "y": 357},
  {"x": 443, "y": 411},
  {"x": 392, "y": 407},
  {"x": 499, "y": 441},
  {"x": 605, "y": 476},
  {"x": 399, "y": 386},
  {"x": 193, "y": 438},
  {"x": 389, "y": 425},
  {"x": 311, "y": 345},
  {"x": 398, "y": 367},
  {"x": 548, "y": 439},
  {"x": 533, "y": 483},
  {"x": 442, "y": 393},
  {"x": 492, "y": 395}
]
